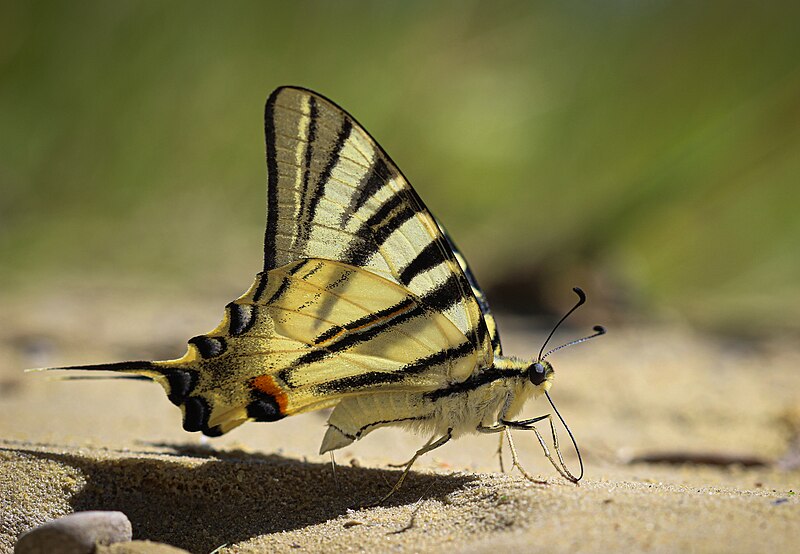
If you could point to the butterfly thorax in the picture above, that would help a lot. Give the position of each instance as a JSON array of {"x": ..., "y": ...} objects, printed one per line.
[{"x": 501, "y": 390}]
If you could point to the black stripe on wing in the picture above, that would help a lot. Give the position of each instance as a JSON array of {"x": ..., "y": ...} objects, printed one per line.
[
  {"x": 312, "y": 136},
  {"x": 272, "y": 183},
  {"x": 379, "y": 227},
  {"x": 372, "y": 379},
  {"x": 377, "y": 177},
  {"x": 440, "y": 298},
  {"x": 427, "y": 258},
  {"x": 351, "y": 340},
  {"x": 480, "y": 296},
  {"x": 310, "y": 200},
  {"x": 366, "y": 321}
]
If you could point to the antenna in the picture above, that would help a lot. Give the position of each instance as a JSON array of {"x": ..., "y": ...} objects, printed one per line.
[
  {"x": 571, "y": 436},
  {"x": 598, "y": 330},
  {"x": 581, "y": 300}
]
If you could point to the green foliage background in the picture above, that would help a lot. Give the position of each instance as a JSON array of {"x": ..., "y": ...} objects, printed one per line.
[{"x": 647, "y": 150}]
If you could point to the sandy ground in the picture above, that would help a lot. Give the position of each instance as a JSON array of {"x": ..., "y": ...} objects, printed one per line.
[{"x": 656, "y": 393}]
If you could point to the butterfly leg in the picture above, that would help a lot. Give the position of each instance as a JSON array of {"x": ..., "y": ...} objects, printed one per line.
[
  {"x": 333, "y": 471},
  {"x": 496, "y": 429},
  {"x": 504, "y": 428},
  {"x": 425, "y": 449},
  {"x": 528, "y": 425},
  {"x": 414, "y": 457},
  {"x": 515, "y": 461},
  {"x": 507, "y": 433}
]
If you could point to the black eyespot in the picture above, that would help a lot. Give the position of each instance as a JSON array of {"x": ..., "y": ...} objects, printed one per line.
[{"x": 537, "y": 373}]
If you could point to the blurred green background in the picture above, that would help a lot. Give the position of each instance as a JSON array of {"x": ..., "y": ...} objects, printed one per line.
[{"x": 648, "y": 151}]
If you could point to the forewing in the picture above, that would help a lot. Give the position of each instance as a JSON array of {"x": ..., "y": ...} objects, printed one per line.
[
  {"x": 333, "y": 193},
  {"x": 477, "y": 292}
]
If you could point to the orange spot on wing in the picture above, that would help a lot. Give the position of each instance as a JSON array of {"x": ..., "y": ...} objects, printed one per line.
[{"x": 267, "y": 385}]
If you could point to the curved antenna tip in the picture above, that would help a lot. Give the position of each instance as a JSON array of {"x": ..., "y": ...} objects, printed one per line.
[
  {"x": 578, "y": 304},
  {"x": 599, "y": 329}
]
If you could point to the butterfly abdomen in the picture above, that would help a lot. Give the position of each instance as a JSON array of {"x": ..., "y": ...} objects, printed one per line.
[
  {"x": 356, "y": 416},
  {"x": 460, "y": 407}
]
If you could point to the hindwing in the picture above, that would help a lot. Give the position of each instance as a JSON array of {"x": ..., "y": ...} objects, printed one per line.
[{"x": 319, "y": 331}]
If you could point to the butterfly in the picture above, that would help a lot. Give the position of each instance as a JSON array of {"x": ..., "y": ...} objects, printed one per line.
[{"x": 364, "y": 305}]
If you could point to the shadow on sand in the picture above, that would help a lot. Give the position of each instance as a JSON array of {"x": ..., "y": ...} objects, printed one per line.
[{"x": 198, "y": 499}]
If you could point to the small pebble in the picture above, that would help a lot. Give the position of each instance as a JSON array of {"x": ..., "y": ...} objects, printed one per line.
[
  {"x": 76, "y": 533},
  {"x": 352, "y": 523}
]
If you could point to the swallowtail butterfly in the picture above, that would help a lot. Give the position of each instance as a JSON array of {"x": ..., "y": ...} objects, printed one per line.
[{"x": 364, "y": 305}]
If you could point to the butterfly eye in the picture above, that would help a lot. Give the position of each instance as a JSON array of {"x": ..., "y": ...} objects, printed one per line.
[{"x": 537, "y": 373}]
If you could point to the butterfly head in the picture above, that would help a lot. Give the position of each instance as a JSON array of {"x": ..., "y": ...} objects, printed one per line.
[{"x": 540, "y": 372}]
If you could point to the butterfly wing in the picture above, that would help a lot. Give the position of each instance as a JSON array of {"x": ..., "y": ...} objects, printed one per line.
[
  {"x": 279, "y": 355},
  {"x": 480, "y": 296},
  {"x": 333, "y": 193},
  {"x": 362, "y": 291}
]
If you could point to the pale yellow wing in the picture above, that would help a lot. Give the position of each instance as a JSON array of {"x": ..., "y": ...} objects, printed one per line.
[
  {"x": 319, "y": 331},
  {"x": 361, "y": 290},
  {"x": 333, "y": 193}
]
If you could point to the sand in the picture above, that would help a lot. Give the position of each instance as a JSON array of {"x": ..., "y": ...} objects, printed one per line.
[{"x": 664, "y": 392}]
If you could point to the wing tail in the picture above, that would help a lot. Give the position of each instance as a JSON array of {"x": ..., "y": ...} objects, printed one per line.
[
  {"x": 178, "y": 377},
  {"x": 142, "y": 368}
]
